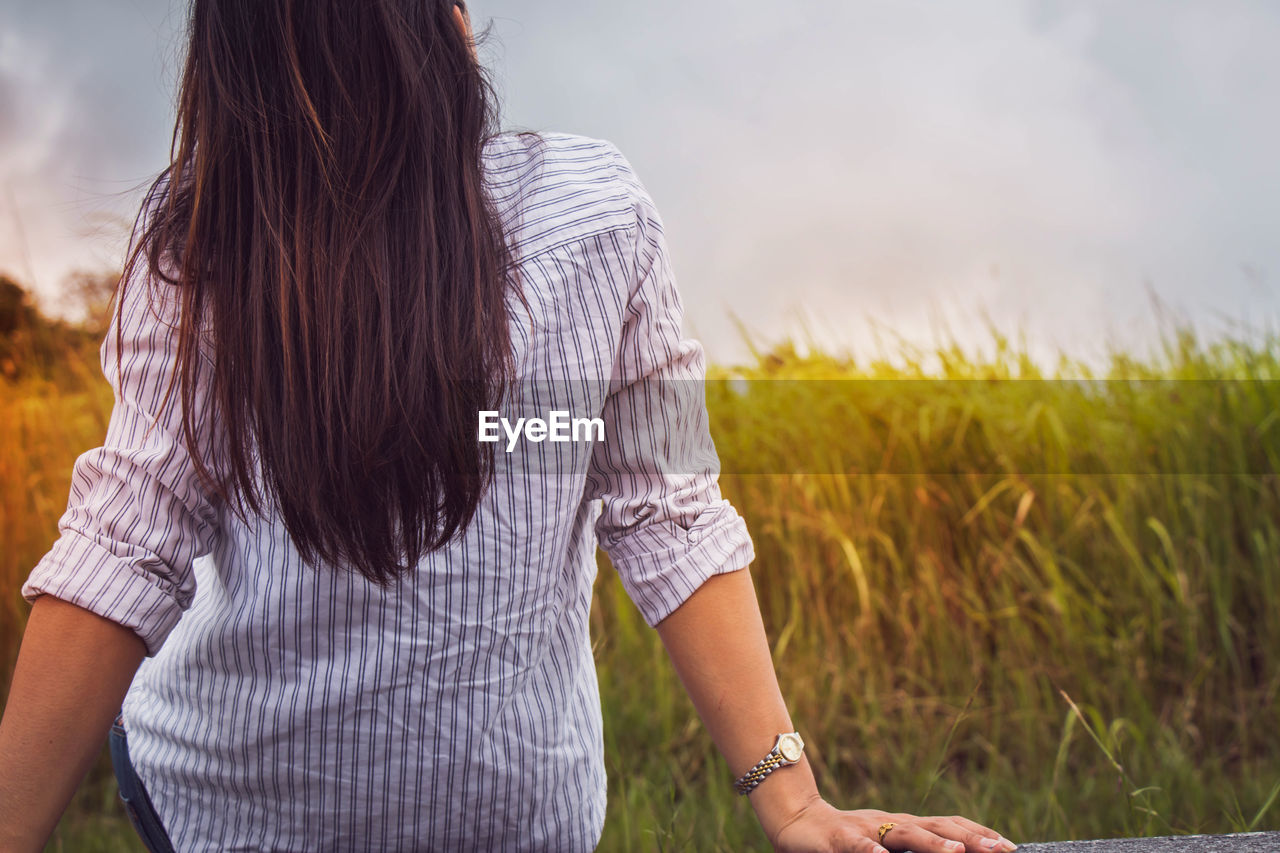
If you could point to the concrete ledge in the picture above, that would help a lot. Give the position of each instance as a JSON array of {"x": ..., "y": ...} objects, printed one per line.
[{"x": 1250, "y": 842}]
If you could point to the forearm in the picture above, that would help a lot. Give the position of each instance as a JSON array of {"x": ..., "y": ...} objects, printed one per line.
[
  {"x": 72, "y": 672},
  {"x": 717, "y": 643}
]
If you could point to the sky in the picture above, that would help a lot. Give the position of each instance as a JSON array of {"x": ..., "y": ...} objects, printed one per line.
[{"x": 1074, "y": 173}]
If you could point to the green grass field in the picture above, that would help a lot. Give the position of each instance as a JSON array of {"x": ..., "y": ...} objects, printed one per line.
[{"x": 1050, "y": 606}]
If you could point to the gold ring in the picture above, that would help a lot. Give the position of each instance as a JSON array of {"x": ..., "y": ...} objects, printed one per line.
[{"x": 884, "y": 827}]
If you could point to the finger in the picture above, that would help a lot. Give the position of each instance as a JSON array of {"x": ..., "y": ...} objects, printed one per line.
[
  {"x": 974, "y": 826},
  {"x": 984, "y": 832},
  {"x": 914, "y": 837},
  {"x": 975, "y": 837}
]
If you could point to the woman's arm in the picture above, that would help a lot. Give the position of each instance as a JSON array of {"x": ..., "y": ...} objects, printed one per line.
[
  {"x": 73, "y": 670},
  {"x": 118, "y": 577},
  {"x": 717, "y": 643}
]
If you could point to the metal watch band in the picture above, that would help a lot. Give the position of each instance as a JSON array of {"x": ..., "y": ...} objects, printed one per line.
[{"x": 747, "y": 782}]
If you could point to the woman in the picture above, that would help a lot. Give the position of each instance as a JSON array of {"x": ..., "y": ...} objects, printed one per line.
[{"x": 335, "y": 618}]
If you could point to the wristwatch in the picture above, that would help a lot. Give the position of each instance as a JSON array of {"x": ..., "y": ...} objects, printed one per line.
[{"x": 786, "y": 751}]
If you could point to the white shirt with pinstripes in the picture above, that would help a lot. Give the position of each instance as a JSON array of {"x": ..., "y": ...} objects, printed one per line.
[{"x": 292, "y": 707}]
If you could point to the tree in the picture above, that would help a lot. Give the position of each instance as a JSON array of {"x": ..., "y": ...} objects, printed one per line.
[{"x": 32, "y": 344}]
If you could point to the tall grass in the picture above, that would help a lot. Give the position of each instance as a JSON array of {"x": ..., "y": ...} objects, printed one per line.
[{"x": 1051, "y": 606}]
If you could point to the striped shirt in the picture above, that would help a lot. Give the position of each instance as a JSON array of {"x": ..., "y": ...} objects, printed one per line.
[{"x": 285, "y": 706}]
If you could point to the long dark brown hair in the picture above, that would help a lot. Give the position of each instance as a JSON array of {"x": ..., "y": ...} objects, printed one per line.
[{"x": 325, "y": 221}]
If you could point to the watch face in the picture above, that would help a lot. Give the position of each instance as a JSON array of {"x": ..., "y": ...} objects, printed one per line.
[{"x": 790, "y": 746}]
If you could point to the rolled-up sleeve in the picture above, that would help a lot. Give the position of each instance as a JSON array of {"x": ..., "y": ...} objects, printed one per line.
[
  {"x": 137, "y": 515},
  {"x": 663, "y": 522}
]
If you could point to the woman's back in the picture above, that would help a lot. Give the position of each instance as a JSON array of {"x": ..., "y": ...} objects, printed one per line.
[{"x": 298, "y": 707}]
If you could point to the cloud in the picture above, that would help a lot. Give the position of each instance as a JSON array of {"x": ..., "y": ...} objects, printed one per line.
[
  {"x": 1042, "y": 161},
  {"x": 87, "y": 124},
  {"x": 1045, "y": 162}
]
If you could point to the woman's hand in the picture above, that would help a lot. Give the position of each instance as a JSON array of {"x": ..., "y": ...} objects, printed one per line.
[{"x": 820, "y": 827}]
